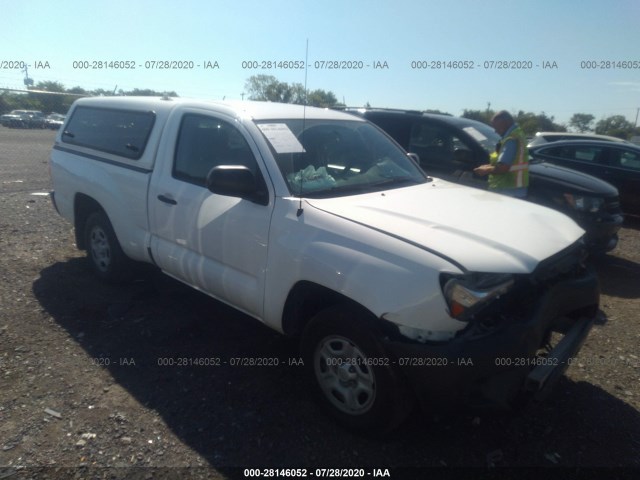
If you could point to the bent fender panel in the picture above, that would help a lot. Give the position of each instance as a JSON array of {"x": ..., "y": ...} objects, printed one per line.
[{"x": 383, "y": 274}]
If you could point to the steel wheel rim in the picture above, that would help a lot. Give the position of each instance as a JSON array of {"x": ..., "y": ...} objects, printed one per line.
[
  {"x": 344, "y": 376},
  {"x": 100, "y": 249}
]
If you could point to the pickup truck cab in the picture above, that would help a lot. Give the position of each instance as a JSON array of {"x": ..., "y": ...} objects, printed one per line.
[{"x": 398, "y": 286}]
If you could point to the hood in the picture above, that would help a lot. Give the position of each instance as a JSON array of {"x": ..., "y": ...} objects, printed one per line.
[
  {"x": 474, "y": 229},
  {"x": 570, "y": 181}
]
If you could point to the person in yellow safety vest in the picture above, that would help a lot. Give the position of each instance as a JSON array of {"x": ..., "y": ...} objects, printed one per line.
[{"x": 508, "y": 168}]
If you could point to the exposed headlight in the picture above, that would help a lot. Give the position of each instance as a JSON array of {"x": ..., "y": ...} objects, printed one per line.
[
  {"x": 584, "y": 203},
  {"x": 468, "y": 294}
]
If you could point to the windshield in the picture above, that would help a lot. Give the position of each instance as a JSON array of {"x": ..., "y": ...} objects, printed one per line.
[{"x": 324, "y": 158}]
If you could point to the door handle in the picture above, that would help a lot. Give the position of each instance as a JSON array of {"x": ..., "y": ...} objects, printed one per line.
[{"x": 166, "y": 199}]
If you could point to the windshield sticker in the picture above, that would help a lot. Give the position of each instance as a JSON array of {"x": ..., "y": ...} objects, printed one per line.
[
  {"x": 281, "y": 138},
  {"x": 475, "y": 133}
]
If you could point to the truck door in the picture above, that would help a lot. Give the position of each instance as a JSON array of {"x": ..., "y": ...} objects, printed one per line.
[{"x": 215, "y": 243}]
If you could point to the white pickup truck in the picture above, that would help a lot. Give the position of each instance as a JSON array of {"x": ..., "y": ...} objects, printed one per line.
[{"x": 400, "y": 287}]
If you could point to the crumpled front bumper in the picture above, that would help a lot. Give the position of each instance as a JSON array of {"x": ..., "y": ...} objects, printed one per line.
[{"x": 494, "y": 367}]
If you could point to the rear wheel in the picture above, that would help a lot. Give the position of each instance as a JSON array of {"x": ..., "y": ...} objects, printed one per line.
[
  {"x": 353, "y": 377},
  {"x": 104, "y": 253}
]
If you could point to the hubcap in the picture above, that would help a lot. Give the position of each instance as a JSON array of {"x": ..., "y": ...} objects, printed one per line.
[
  {"x": 344, "y": 376},
  {"x": 100, "y": 249}
]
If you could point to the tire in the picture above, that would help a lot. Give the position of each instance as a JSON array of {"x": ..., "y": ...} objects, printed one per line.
[
  {"x": 105, "y": 256},
  {"x": 352, "y": 376}
]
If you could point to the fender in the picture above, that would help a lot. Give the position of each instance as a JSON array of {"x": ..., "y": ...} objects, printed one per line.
[{"x": 387, "y": 276}]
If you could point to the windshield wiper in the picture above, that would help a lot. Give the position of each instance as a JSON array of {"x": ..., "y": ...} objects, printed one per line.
[
  {"x": 337, "y": 190},
  {"x": 395, "y": 181},
  {"x": 362, "y": 187}
]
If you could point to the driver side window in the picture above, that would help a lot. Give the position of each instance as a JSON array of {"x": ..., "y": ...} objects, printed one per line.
[{"x": 205, "y": 142}]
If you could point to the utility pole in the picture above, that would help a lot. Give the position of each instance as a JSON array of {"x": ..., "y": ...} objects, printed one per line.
[
  {"x": 637, "y": 111},
  {"x": 28, "y": 82}
]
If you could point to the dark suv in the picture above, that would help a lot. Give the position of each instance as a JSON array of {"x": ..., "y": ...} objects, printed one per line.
[{"x": 451, "y": 147}]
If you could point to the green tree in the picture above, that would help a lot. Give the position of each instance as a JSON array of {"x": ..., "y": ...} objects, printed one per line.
[
  {"x": 50, "y": 86},
  {"x": 77, "y": 91},
  {"x": 582, "y": 122},
  {"x": 322, "y": 98},
  {"x": 269, "y": 88},
  {"x": 483, "y": 116},
  {"x": 8, "y": 102},
  {"x": 101, "y": 92},
  {"x": 296, "y": 94},
  {"x": 532, "y": 123},
  {"x": 616, "y": 126},
  {"x": 529, "y": 122},
  {"x": 48, "y": 103}
]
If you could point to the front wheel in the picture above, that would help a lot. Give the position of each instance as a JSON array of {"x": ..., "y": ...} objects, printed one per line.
[
  {"x": 353, "y": 377},
  {"x": 104, "y": 253}
]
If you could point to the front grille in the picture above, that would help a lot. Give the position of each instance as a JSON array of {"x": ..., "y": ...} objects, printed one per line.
[
  {"x": 517, "y": 305},
  {"x": 567, "y": 263},
  {"x": 612, "y": 206}
]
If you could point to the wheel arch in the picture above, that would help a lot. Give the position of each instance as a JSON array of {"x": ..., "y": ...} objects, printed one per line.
[
  {"x": 83, "y": 207},
  {"x": 306, "y": 299}
]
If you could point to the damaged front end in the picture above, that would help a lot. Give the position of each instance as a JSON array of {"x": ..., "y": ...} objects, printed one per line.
[{"x": 522, "y": 332}]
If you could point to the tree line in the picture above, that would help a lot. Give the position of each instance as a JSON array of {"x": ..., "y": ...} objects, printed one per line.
[
  {"x": 615, "y": 125},
  {"x": 58, "y": 99},
  {"x": 269, "y": 88}
]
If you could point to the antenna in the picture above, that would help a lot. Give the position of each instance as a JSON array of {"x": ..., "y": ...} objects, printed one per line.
[{"x": 304, "y": 118}]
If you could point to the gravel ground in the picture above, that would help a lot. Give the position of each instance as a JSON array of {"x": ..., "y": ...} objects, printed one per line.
[{"x": 87, "y": 384}]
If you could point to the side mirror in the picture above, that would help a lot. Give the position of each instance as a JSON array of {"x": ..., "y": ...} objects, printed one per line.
[
  {"x": 237, "y": 181},
  {"x": 463, "y": 155}
]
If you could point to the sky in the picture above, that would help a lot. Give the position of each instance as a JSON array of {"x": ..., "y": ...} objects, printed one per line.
[{"x": 563, "y": 57}]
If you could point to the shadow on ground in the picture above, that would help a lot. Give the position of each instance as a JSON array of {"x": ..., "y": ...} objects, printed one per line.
[
  {"x": 264, "y": 416},
  {"x": 619, "y": 277}
]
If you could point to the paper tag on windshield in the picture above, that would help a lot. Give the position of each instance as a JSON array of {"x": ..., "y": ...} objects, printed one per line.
[
  {"x": 475, "y": 134},
  {"x": 281, "y": 137}
]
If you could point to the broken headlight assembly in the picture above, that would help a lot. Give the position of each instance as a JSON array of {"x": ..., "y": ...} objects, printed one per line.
[{"x": 467, "y": 294}]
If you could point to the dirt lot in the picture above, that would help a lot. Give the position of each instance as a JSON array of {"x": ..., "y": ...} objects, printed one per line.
[{"x": 91, "y": 375}]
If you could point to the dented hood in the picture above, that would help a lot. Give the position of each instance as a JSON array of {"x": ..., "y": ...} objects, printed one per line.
[{"x": 478, "y": 230}]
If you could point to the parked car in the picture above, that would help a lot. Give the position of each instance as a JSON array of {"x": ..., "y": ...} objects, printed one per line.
[
  {"x": 54, "y": 121},
  {"x": 35, "y": 119},
  {"x": 13, "y": 119},
  {"x": 617, "y": 163},
  {"x": 23, "y": 119},
  {"x": 451, "y": 147},
  {"x": 546, "y": 137},
  {"x": 396, "y": 285}
]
